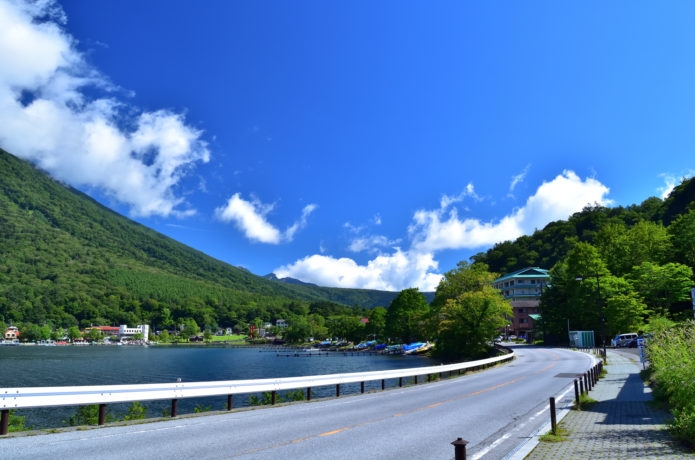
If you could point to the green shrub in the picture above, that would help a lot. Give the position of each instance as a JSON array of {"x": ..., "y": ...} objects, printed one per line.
[
  {"x": 136, "y": 412},
  {"x": 88, "y": 415},
  {"x": 16, "y": 422},
  {"x": 671, "y": 353},
  {"x": 267, "y": 397},
  {"x": 683, "y": 425}
]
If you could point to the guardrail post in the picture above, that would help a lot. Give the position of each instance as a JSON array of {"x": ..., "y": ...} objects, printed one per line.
[
  {"x": 308, "y": 394},
  {"x": 102, "y": 414},
  {"x": 337, "y": 390},
  {"x": 414, "y": 379},
  {"x": 361, "y": 387},
  {"x": 4, "y": 422},
  {"x": 272, "y": 397},
  {"x": 400, "y": 381},
  {"x": 576, "y": 395},
  {"x": 383, "y": 384},
  {"x": 553, "y": 416},
  {"x": 174, "y": 406},
  {"x": 229, "y": 402},
  {"x": 459, "y": 448}
]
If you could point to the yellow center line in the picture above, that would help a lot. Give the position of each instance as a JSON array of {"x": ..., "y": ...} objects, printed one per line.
[
  {"x": 329, "y": 433},
  {"x": 398, "y": 414}
]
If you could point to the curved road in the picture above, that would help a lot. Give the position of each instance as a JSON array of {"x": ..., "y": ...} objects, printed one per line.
[{"x": 495, "y": 410}]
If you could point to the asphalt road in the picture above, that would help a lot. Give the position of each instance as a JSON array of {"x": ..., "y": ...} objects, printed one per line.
[{"x": 495, "y": 411}]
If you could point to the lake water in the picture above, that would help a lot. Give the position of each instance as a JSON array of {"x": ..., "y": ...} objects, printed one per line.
[{"x": 37, "y": 366}]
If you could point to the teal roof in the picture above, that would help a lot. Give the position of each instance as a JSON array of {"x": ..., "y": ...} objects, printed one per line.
[{"x": 528, "y": 272}]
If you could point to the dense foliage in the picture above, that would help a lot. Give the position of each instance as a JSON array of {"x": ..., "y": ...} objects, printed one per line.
[
  {"x": 67, "y": 261},
  {"x": 467, "y": 312},
  {"x": 671, "y": 353}
]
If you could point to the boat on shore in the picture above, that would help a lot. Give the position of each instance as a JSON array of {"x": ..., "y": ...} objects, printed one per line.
[{"x": 417, "y": 348}]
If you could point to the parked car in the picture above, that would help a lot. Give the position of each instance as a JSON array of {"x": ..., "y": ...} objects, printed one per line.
[{"x": 621, "y": 340}]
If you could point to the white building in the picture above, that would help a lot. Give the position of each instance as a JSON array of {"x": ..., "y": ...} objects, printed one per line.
[{"x": 125, "y": 332}]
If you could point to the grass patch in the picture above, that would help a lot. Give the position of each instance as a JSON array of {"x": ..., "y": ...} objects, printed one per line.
[
  {"x": 560, "y": 435},
  {"x": 236, "y": 338},
  {"x": 585, "y": 402}
]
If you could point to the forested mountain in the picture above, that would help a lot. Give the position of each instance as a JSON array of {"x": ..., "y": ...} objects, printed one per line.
[
  {"x": 67, "y": 260},
  {"x": 544, "y": 248}
]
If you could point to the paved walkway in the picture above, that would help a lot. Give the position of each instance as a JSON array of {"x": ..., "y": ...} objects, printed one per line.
[{"x": 622, "y": 425}]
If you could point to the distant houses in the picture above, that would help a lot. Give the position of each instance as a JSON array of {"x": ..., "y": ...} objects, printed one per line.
[{"x": 11, "y": 333}]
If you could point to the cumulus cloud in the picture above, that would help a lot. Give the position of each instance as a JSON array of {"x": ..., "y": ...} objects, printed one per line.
[
  {"x": 389, "y": 272},
  {"x": 440, "y": 229},
  {"x": 49, "y": 116},
  {"x": 251, "y": 218},
  {"x": 443, "y": 229}
]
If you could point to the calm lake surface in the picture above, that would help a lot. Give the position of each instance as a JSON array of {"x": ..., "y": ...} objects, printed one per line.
[{"x": 38, "y": 366}]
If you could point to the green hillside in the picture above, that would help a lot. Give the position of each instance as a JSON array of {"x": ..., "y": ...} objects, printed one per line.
[
  {"x": 67, "y": 260},
  {"x": 548, "y": 246}
]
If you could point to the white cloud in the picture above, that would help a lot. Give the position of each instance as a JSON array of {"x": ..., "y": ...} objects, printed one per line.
[
  {"x": 517, "y": 179},
  {"x": 392, "y": 272},
  {"x": 47, "y": 117},
  {"x": 289, "y": 233},
  {"x": 442, "y": 229},
  {"x": 251, "y": 218},
  {"x": 469, "y": 191},
  {"x": 670, "y": 182},
  {"x": 371, "y": 243}
]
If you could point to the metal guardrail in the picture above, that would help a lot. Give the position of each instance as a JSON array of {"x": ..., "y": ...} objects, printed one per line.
[{"x": 32, "y": 397}]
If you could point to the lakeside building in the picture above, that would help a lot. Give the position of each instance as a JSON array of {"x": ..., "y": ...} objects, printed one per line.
[
  {"x": 125, "y": 332},
  {"x": 523, "y": 288},
  {"x": 11, "y": 333},
  {"x": 106, "y": 330}
]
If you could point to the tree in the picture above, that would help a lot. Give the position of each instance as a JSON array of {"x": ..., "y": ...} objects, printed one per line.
[
  {"x": 469, "y": 312},
  {"x": 682, "y": 232},
  {"x": 164, "y": 336},
  {"x": 406, "y": 316},
  {"x": 468, "y": 323},
  {"x": 346, "y": 327},
  {"x": 663, "y": 287},
  {"x": 74, "y": 333},
  {"x": 190, "y": 328},
  {"x": 298, "y": 329},
  {"x": 377, "y": 323},
  {"x": 30, "y": 333}
]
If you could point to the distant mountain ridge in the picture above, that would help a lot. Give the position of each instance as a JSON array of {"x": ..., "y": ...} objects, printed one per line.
[
  {"x": 273, "y": 277},
  {"x": 63, "y": 256}
]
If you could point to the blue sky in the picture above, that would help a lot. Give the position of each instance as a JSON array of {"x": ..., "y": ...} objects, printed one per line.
[{"x": 351, "y": 144}]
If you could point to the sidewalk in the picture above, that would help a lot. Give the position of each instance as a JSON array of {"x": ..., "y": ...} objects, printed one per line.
[{"x": 622, "y": 425}]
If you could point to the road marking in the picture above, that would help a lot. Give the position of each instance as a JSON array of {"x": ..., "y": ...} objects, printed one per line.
[
  {"x": 413, "y": 411},
  {"x": 329, "y": 433}
]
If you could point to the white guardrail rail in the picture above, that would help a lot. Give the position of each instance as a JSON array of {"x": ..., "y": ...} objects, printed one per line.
[{"x": 32, "y": 397}]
